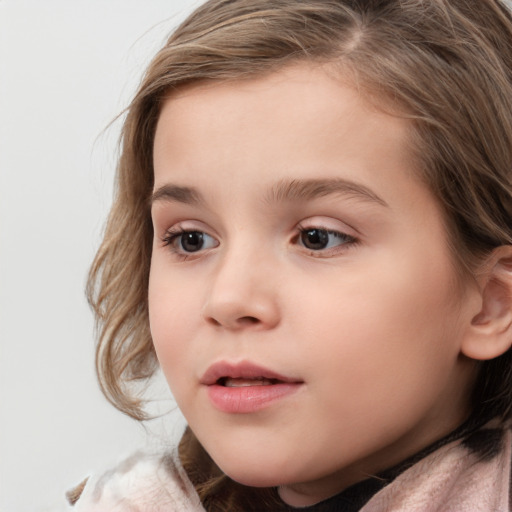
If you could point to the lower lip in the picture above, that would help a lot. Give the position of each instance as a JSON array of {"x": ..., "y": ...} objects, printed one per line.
[{"x": 247, "y": 399}]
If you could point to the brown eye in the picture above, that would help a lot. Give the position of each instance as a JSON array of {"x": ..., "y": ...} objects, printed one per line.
[
  {"x": 318, "y": 239},
  {"x": 192, "y": 241},
  {"x": 314, "y": 239},
  {"x": 185, "y": 242}
]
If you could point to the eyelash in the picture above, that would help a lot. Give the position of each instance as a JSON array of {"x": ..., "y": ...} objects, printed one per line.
[
  {"x": 172, "y": 236},
  {"x": 347, "y": 240}
]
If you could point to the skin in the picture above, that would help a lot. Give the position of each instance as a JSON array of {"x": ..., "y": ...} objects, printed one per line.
[{"x": 372, "y": 325}]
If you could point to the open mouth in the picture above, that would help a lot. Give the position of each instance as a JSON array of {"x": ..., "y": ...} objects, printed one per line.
[
  {"x": 244, "y": 374},
  {"x": 246, "y": 388},
  {"x": 231, "y": 382}
]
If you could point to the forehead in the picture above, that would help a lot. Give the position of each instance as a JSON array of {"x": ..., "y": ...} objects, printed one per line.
[{"x": 296, "y": 116}]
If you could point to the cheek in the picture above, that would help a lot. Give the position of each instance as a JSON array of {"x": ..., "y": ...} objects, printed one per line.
[
  {"x": 173, "y": 311},
  {"x": 384, "y": 329}
]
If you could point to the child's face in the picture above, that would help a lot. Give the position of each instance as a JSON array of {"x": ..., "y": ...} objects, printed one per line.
[{"x": 311, "y": 255}]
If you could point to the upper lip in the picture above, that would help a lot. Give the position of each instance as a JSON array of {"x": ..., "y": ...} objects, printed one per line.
[{"x": 241, "y": 370}]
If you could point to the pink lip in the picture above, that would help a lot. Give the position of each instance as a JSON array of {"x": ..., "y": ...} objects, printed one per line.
[
  {"x": 242, "y": 370},
  {"x": 246, "y": 399}
]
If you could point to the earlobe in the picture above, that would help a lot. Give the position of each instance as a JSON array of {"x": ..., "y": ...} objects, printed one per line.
[{"x": 490, "y": 332}]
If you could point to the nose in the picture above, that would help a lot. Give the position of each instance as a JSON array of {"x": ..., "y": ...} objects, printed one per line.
[{"x": 242, "y": 294}]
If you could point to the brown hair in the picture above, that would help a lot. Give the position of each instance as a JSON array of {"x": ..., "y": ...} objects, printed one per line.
[{"x": 446, "y": 64}]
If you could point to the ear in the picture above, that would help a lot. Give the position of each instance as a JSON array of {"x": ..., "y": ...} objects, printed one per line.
[{"x": 490, "y": 332}]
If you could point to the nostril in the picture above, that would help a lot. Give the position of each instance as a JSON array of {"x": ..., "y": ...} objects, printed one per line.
[
  {"x": 214, "y": 322},
  {"x": 243, "y": 321},
  {"x": 248, "y": 320}
]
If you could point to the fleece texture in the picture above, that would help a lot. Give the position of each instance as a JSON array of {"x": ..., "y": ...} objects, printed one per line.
[{"x": 451, "y": 479}]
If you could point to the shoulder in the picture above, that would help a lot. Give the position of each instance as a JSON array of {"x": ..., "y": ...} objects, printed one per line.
[
  {"x": 142, "y": 483},
  {"x": 454, "y": 478}
]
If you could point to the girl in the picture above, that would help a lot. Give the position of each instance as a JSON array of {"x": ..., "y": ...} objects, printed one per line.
[{"x": 312, "y": 236}]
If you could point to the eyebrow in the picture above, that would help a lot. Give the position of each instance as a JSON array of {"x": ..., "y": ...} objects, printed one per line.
[
  {"x": 301, "y": 190},
  {"x": 176, "y": 193},
  {"x": 285, "y": 190}
]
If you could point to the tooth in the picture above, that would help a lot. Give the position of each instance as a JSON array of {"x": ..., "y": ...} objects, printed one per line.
[{"x": 239, "y": 383}]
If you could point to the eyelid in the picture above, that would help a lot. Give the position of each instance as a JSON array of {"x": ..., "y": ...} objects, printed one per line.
[
  {"x": 186, "y": 225},
  {"x": 347, "y": 238},
  {"x": 171, "y": 236},
  {"x": 328, "y": 224}
]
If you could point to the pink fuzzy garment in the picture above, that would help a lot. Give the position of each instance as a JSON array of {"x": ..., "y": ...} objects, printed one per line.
[{"x": 451, "y": 479}]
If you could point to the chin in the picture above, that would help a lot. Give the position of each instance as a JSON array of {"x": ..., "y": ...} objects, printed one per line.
[
  {"x": 250, "y": 472},
  {"x": 253, "y": 478}
]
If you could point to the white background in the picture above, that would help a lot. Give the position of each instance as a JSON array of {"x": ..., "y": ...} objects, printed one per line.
[{"x": 67, "y": 68}]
